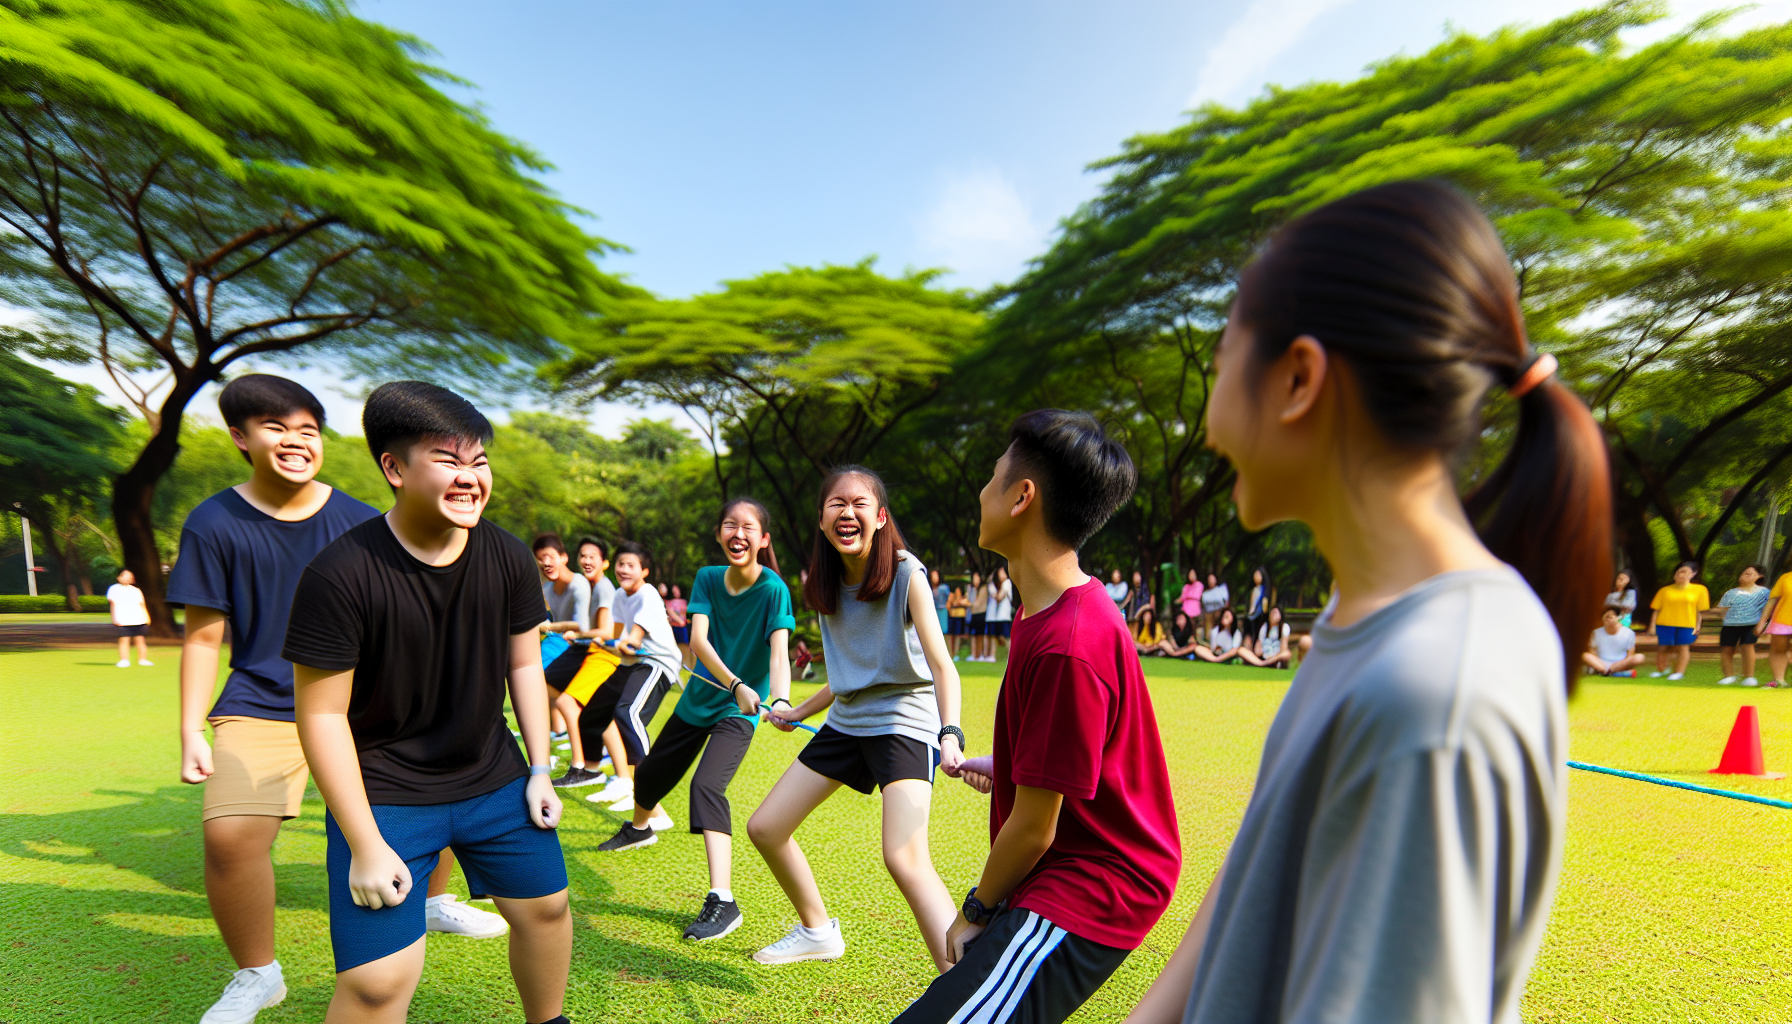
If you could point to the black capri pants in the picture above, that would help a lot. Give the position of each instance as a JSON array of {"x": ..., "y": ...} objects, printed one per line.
[{"x": 724, "y": 746}]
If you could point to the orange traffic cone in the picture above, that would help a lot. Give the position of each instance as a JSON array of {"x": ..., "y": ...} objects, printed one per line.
[{"x": 1742, "y": 755}]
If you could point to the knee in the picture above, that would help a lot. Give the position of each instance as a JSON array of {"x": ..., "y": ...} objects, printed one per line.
[
  {"x": 764, "y": 835},
  {"x": 906, "y": 861},
  {"x": 374, "y": 991},
  {"x": 543, "y": 912}
]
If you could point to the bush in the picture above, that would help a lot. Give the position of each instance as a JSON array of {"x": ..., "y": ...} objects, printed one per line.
[{"x": 15, "y": 604}]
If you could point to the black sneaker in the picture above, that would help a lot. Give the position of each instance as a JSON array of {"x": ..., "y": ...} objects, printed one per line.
[
  {"x": 628, "y": 837},
  {"x": 576, "y": 777},
  {"x": 716, "y": 919}
]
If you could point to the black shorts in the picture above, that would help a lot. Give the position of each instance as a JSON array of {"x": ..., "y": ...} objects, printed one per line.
[
  {"x": 124, "y": 631},
  {"x": 954, "y": 625},
  {"x": 682, "y": 634},
  {"x": 561, "y": 670},
  {"x": 1736, "y": 636},
  {"x": 978, "y": 621},
  {"x": 996, "y": 627},
  {"x": 1022, "y": 969},
  {"x": 868, "y": 762}
]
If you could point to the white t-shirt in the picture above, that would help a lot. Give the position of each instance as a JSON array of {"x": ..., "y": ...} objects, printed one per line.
[
  {"x": 1270, "y": 641},
  {"x": 1215, "y": 597},
  {"x": 128, "y": 606},
  {"x": 645, "y": 608},
  {"x": 1001, "y": 602},
  {"x": 1117, "y": 591},
  {"x": 1611, "y": 647},
  {"x": 1225, "y": 640}
]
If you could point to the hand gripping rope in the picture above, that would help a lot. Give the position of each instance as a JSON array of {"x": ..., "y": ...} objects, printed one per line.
[
  {"x": 1676, "y": 784},
  {"x": 805, "y": 726}
]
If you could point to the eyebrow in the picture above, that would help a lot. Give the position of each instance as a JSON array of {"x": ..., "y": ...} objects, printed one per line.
[{"x": 456, "y": 455}]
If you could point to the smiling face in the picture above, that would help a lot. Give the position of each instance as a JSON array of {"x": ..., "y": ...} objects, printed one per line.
[
  {"x": 127, "y": 578},
  {"x": 1622, "y": 583},
  {"x": 289, "y": 447},
  {"x": 851, "y": 516},
  {"x": 1683, "y": 575},
  {"x": 1610, "y": 619},
  {"x": 630, "y": 573},
  {"x": 1749, "y": 576},
  {"x": 448, "y": 478},
  {"x": 591, "y": 561},
  {"x": 741, "y": 535},
  {"x": 551, "y": 562}
]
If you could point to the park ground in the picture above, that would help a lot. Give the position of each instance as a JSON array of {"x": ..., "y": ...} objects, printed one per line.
[{"x": 1671, "y": 907}]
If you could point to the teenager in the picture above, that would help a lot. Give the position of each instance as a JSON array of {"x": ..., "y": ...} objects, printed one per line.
[
  {"x": 1148, "y": 634},
  {"x": 942, "y": 594},
  {"x": 1678, "y": 608},
  {"x": 1084, "y": 850},
  {"x": 676, "y": 607},
  {"x": 1117, "y": 590},
  {"x": 1214, "y": 599},
  {"x": 1611, "y": 651},
  {"x": 1742, "y": 606},
  {"x": 1190, "y": 598},
  {"x": 1270, "y": 647},
  {"x": 413, "y": 621},
  {"x": 892, "y": 703},
  {"x": 978, "y": 622},
  {"x": 567, "y": 595},
  {"x": 628, "y": 700},
  {"x": 1001, "y": 614},
  {"x": 599, "y": 663},
  {"x": 1776, "y": 625},
  {"x": 741, "y": 620},
  {"x": 242, "y": 552},
  {"x": 1624, "y": 596},
  {"x": 130, "y": 618},
  {"x": 1224, "y": 641},
  {"x": 1138, "y": 597},
  {"x": 957, "y": 612},
  {"x": 1257, "y": 602},
  {"x": 1183, "y": 638},
  {"x": 1399, "y": 852}
]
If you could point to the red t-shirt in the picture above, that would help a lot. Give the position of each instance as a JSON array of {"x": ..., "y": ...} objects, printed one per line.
[{"x": 1074, "y": 717}]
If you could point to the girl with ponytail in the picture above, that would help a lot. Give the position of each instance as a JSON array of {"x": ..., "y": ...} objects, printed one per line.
[
  {"x": 741, "y": 621},
  {"x": 1400, "y": 850}
]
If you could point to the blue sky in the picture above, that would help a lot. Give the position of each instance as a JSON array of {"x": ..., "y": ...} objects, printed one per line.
[{"x": 720, "y": 139}]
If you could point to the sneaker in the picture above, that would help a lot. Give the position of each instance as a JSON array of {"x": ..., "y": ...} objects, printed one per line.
[
  {"x": 1727, "y": 680},
  {"x": 796, "y": 946},
  {"x": 562, "y": 746},
  {"x": 659, "y": 822},
  {"x": 248, "y": 993},
  {"x": 1674, "y": 677},
  {"x": 617, "y": 788},
  {"x": 445, "y": 913},
  {"x": 1751, "y": 681},
  {"x": 146, "y": 664},
  {"x": 557, "y": 735},
  {"x": 625, "y": 805},
  {"x": 717, "y": 918},
  {"x": 576, "y": 777},
  {"x": 126, "y": 663},
  {"x": 628, "y": 837},
  {"x": 1656, "y": 675}
]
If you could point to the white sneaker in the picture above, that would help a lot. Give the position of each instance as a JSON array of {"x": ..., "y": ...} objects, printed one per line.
[
  {"x": 1674, "y": 677},
  {"x": 445, "y": 913},
  {"x": 1656, "y": 675},
  {"x": 1751, "y": 681},
  {"x": 126, "y": 663},
  {"x": 659, "y": 822},
  {"x": 1727, "y": 680},
  {"x": 796, "y": 946},
  {"x": 617, "y": 788},
  {"x": 248, "y": 993},
  {"x": 562, "y": 746},
  {"x": 625, "y": 804},
  {"x": 146, "y": 664}
]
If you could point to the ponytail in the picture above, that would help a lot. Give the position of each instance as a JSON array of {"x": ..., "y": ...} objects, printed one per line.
[
  {"x": 1410, "y": 284},
  {"x": 766, "y": 556}
]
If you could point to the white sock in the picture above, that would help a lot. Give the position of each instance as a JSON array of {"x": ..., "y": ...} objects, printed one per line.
[
  {"x": 264, "y": 971},
  {"x": 725, "y": 895},
  {"x": 578, "y": 764},
  {"x": 817, "y": 933}
]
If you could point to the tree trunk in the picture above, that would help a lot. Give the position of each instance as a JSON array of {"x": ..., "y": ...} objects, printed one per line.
[
  {"x": 133, "y": 498},
  {"x": 1639, "y": 551},
  {"x": 45, "y": 534}
]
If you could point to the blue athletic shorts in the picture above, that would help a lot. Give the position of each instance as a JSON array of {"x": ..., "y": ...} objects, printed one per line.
[
  {"x": 1675, "y": 636},
  {"x": 499, "y": 848}
]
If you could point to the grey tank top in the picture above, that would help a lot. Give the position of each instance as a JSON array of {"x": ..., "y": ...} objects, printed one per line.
[{"x": 881, "y": 682}]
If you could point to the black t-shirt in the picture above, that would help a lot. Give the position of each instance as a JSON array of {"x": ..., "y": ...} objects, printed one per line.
[
  {"x": 430, "y": 646},
  {"x": 1182, "y": 635}
]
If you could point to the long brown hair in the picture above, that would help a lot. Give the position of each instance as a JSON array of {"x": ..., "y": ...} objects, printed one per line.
[
  {"x": 1409, "y": 283},
  {"x": 766, "y": 557},
  {"x": 827, "y": 571}
]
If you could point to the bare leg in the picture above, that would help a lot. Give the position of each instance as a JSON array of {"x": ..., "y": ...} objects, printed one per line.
[
  {"x": 556, "y": 721},
  {"x": 142, "y": 649},
  {"x": 1776, "y": 658},
  {"x": 124, "y": 648},
  {"x": 569, "y": 710},
  {"x": 540, "y": 951},
  {"x": 1725, "y": 658},
  {"x": 618, "y": 752},
  {"x": 378, "y": 992},
  {"x": 438, "y": 879},
  {"x": 1587, "y": 659},
  {"x": 773, "y": 829},
  {"x": 1628, "y": 662},
  {"x": 718, "y": 848},
  {"x": 239, "y": 884},
  {"x": 1748, "y": 660},
  {"x": 906, "y": 804},
  {"x": 1683, "y": 658}
]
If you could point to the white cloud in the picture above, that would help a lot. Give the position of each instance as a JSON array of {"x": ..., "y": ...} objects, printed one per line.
[
  {"x": 980, "y": 227},
  {"x": 1236, "y": 64}
]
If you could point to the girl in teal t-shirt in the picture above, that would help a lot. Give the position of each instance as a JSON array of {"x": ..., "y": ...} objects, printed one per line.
[{"x": 740, "y": 621}]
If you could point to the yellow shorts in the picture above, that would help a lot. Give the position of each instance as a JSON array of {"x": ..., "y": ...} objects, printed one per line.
[
  {"x": 257, "y": 768},
  {"x": 597, "y": 667}
]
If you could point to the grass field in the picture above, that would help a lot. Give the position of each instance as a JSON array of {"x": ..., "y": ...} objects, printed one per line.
[{"x": 1672, "y": 905}]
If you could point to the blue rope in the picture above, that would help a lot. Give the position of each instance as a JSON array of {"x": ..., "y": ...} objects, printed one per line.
[{"x": 1732, "y": 794}]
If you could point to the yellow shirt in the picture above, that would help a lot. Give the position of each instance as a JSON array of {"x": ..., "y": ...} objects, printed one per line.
[
  {"x": 1154, "y": 635},
  {"x": 1680, "y": 605},
  {"x": 1782, "y": 612}
]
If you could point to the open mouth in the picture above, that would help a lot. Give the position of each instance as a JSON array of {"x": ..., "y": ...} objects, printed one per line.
[
  {"x": 737, "y": 547},
  {"x": 296, "y": 462},
  {"x": 847, "y": 530},
  {"x": 461, "y": 501}
]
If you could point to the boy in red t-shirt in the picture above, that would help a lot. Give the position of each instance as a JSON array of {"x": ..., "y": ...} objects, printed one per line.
[{"x": 1085, "y": 853}]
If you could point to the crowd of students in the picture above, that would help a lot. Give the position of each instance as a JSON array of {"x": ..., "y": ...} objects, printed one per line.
[
  {"x": 1749, "y": 612},
  {"x": 377, "y": 653}
]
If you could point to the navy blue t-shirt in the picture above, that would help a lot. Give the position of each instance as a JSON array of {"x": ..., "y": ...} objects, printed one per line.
[{"x": 245, "y": 563}]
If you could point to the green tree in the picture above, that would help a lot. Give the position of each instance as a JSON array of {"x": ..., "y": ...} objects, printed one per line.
[
  {"x": 789, "y": 373},
  {"x": 183, "y": 186},
  {"x": 55, "y": 459}
]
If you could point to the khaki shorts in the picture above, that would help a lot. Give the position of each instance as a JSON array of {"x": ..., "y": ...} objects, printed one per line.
[{"x": 257, "y": 768}]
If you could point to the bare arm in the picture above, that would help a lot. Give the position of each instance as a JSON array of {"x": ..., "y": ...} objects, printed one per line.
[
  {"x": 1766, "y": 613},
  {"x": 529, "y": 700},
  {"x": 780, "y": 642},
  {"x": 198, "y": 678},
  {"x": 1167, "y": 998},
  {"x": 945, "y": 673},
  {"x": 1024, "y": 838},
  {"x": 377, "y": 876}
]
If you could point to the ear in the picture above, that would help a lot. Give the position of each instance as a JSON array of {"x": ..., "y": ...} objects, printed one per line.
[
  {"x": 1023, "y": 495},
  {"x": 239, "y": 439},
  {"x": 392, "y": 468},
  {"x": 1298, "y": 377}
]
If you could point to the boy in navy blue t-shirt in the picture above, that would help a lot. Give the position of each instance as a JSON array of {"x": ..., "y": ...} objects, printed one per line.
[{"x": 241, "y": 554}]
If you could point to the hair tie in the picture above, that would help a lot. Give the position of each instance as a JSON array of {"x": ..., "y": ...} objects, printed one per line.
[{"x": 1536, "y": 371}]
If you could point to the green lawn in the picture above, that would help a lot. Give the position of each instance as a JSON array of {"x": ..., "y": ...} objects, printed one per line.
[{"x": 1672, "y": 906}]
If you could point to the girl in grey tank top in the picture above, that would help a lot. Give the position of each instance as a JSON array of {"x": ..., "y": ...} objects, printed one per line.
[{"x": 892, "y": 704}]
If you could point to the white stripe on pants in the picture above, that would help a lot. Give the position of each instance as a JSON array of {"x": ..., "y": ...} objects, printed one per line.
[
  {"x": 631, "y": 714},
  {"x": 997, "y": 997}
]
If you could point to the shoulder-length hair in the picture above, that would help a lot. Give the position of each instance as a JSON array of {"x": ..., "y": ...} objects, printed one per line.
[
  {"x": 827, "y": 572},
  {"x": 766, "y": 556}
]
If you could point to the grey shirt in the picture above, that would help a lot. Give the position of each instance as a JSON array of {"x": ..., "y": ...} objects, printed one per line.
[
  {"x": 1399, "y": 853},
  {"x": 571, "y": 605},
  {"x": 603, "y": 595},
  {"x": 881, "y": 681}
]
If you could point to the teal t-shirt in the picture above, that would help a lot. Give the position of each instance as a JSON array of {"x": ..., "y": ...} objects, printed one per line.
[{"x": 739, "y": 627}]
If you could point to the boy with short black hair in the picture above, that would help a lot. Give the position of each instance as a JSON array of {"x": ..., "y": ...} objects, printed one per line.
[
  {"x": 413, "y": 622},
  {"x": 1085, "y": 852}
]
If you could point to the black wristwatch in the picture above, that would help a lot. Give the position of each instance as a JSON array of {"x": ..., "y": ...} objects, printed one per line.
[
  {"x": 953, "y": 730},
  {"x": 974, "y": 911}
]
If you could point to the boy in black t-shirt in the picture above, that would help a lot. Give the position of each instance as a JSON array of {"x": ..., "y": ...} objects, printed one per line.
[{"x": 404, "y": 630}]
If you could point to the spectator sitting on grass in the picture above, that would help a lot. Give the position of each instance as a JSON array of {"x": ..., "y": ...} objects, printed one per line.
[
  {"x": 1224, "y": 643},
  {"x": 1183, "y": 637},
  {"x": 1271, "y": 648},
  {"x": 1148, "y": 634},
  {"x": 1612, "y": 650}
]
